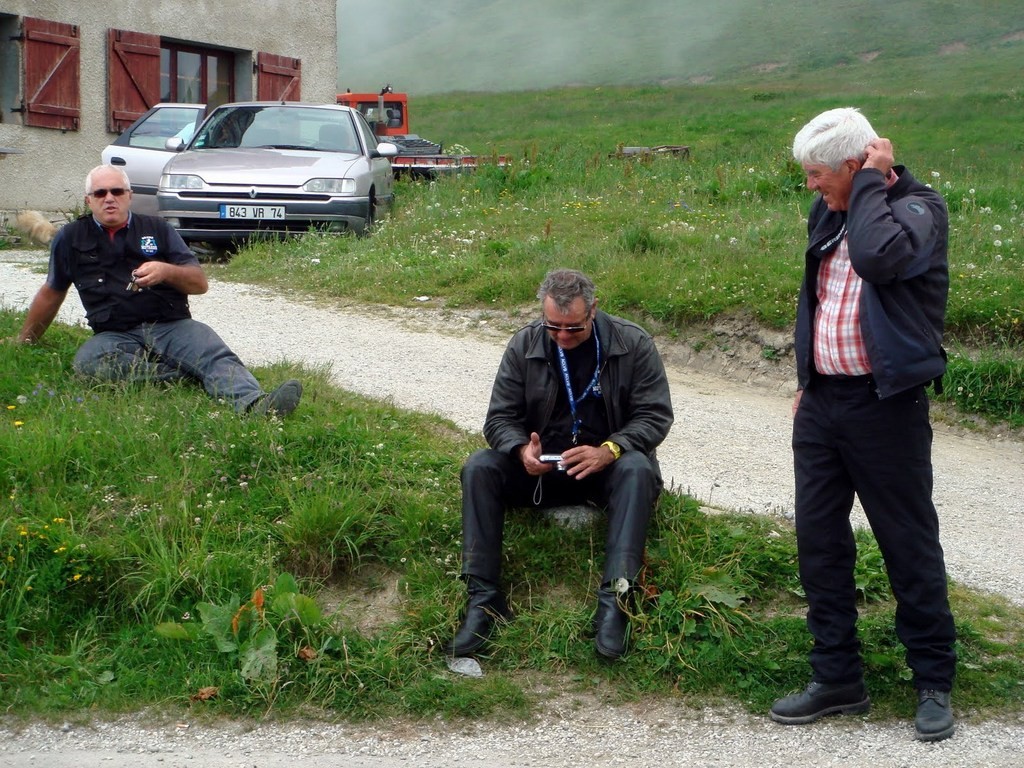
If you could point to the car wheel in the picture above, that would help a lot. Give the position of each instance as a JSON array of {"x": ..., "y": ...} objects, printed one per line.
[{"x": 218, "y": 253}]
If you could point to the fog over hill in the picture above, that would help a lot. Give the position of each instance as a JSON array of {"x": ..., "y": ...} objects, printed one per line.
[{"x": 498, "y": 45}]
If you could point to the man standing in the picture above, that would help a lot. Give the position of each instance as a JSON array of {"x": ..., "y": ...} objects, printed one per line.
[
  {"x": 868, "y": 341},
  {"x": 579, "y": 404},
  {"x": 134, "y": 275}
]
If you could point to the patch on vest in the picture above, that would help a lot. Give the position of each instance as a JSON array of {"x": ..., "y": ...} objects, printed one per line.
[
  {"x": 916, "y": 208},
  {"x": 148, "y": 245}
]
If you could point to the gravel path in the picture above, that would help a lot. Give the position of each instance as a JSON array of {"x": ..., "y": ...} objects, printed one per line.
[{"x": 729, "y": 447}]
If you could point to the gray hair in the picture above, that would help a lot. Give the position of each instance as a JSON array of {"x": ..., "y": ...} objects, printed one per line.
[
  {"x": 120, "y": 172},
  {"x": 564, "y": 286},
  {"x": 833, "y": 137}
]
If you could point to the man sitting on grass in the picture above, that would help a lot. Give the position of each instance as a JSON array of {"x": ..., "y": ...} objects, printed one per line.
[{"x": 134, "y": 275}]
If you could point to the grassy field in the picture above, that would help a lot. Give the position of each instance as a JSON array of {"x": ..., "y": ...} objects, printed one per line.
[
  {"x": 674, "y": 242},
  {"x": 157, "y": 550}
]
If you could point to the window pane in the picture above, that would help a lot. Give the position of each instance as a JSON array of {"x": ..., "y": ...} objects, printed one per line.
[
  {"x": 218, "y": 80},
  {"x": 165, "y": 75},
  {"x": 162, "y": 125},
  {"x": 190, "y": 66}
]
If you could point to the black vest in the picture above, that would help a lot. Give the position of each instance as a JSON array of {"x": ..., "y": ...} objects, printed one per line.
[{"x": 101, "y": 269}]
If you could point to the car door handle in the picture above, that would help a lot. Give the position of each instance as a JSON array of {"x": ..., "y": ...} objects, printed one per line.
[{"x": 117, "y": 161}]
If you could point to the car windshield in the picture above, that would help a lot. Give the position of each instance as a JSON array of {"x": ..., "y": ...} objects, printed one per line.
[
  {"x": 279, "y": 127},
  {"x": 166, "y": 123}
]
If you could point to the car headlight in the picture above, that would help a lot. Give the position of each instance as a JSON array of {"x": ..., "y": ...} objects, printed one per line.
[
  {"x": 180, "y": 181},
  {"x": 331, "y": 186}
]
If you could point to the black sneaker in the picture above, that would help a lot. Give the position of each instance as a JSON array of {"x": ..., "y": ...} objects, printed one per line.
[
  {"x": 820, "y": 699},
  {"x": 280, "y": 401},
  {"x": 934, "y": 721}
]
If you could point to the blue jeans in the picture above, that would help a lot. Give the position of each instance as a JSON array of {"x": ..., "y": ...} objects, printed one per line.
[{"x": 173, "y": 351}]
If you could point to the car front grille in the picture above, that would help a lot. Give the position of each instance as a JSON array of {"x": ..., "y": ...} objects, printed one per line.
[
  {"x": 294, "y": 226},
  {"x": 260, "y": 196}
]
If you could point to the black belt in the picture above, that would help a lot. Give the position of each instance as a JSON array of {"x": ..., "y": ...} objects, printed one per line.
[{"x": 847, "y": 381}]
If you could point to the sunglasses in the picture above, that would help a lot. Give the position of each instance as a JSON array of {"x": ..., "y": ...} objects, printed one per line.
[
  {"x": 563, "y": 328},
  {"x": 99, "y": 194}
]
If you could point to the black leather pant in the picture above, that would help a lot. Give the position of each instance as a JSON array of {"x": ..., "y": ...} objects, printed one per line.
[{"x": 493, "y": 481}]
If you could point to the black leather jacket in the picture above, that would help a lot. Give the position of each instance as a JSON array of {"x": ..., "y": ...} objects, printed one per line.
[
  {"x": 898, "y": 239},
  {"x": 633, "y": 382}
]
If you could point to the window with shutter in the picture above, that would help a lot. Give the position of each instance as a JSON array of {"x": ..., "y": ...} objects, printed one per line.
[
  {"x": 196, "y": 74},
  {"x": 133, "y": 76},
  {"x": 51, "y": 86},
  {"x": 279, "y": 78}
]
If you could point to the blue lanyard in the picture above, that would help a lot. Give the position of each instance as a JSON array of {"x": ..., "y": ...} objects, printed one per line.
[{"x": 594, "y": 387}]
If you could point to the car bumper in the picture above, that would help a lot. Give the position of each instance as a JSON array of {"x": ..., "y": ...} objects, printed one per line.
[{"x": 200, "y": 219}]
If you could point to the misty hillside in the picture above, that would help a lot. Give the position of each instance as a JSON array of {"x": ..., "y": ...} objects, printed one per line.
[{"x": 499, "y": 45}]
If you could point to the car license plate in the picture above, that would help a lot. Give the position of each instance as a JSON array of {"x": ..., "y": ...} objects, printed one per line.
[{"x": 251, "y": 211}]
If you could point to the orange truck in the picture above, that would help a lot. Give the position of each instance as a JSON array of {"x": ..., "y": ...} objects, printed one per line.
[{"x": 387, "y": 113}]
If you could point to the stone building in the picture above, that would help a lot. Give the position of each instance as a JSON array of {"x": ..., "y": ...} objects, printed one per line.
[{"x": 73, "y": 75}]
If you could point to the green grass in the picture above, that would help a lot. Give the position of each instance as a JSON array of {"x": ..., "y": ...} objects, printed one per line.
[
  {"x": 158, "y": 550},
  {"x": 677, "y": 243},
  {"x": 155, "y": 548}
]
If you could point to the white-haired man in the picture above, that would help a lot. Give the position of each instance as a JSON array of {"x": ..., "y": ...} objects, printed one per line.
[
  {"x": 134, "y": 275},
  {"x": 868, "y": 341}
]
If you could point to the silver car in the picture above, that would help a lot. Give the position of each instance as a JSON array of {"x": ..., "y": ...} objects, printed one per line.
[
  {"x": 260, "y": 169},
  {"x": 141, "y": 150}
]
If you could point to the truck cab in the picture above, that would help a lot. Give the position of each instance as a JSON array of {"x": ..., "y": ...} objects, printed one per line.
[{"x": 387, "y": 113}]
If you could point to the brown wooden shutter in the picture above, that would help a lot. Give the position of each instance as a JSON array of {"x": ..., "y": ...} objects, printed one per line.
[
  {"x": 53, "y": 96},
  {"x": 133, "y": 76},
  {"x": 278, "y": 78}
]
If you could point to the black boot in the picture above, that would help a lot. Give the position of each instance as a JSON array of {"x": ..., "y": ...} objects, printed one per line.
[
  {"x": 611, "y": 622},
  {"x": 486, "y": 605}
]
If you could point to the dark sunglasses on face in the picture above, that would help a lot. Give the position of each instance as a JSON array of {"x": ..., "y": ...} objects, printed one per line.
[
  {"x": 564, "y": 328},
  {"x": 99, "y": 194}
]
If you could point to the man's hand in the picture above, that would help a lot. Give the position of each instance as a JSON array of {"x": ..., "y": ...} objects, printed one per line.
[
  {"x": 879, "y": 156},
  {"x": 584, "y": 460},
  {"x": 188, "y": 279},
  {"x": 151, "y": 273},
  {"x": 529, "y": 454},
  {"x": 41, "y": 313}
]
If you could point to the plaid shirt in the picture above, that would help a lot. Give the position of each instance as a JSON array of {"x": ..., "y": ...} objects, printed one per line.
[{"x": 838, "y": 344}]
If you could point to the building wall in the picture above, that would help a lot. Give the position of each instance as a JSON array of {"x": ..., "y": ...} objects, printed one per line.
[{"x": 50, "y": 172}]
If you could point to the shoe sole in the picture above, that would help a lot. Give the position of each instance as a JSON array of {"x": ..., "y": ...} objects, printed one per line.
[
  {"x": 479, "y": 642},
  {"x": 466, "y": 650},
  {"x": 937, "y": 736},
  {"x": 842, "y": 709},
  {"x": 604, "y": 653}
]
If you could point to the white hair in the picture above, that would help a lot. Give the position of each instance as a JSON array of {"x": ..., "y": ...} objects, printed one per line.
[
  {"x": 120, "y": 172},
  {"x": 832, "y": 137}
]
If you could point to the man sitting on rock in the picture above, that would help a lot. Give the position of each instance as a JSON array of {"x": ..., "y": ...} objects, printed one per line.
[{"x": 591, "y": 389}]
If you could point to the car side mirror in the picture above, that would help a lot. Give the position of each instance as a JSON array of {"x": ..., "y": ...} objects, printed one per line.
[
  {"x": 174, "y": 144},
  {"x": 385, "y": 149}
]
